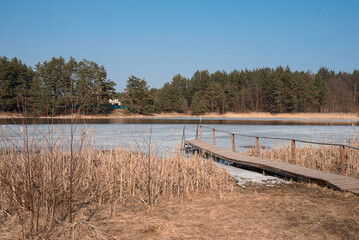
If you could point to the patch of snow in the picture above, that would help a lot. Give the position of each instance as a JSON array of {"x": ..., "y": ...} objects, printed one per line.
[{"x": 244, "y": 176}]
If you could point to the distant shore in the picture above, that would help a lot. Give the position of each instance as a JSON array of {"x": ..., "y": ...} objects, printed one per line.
[{"x": 251, "y": 115}]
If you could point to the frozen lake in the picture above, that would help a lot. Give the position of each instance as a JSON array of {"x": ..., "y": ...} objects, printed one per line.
[{"x": 167, "y": 134}]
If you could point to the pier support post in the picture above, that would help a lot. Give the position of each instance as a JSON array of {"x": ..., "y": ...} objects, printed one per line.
[
  {"x": 257, "y": 145},
  {"x": 233, "y": 143},
  {"x": 342, "y": 154},
  {"x": 293, "y": 152},
  {"x": 200, "y": 132},
  {"x": 184, "y": 137},
  {"x": 214, "y": 137}
]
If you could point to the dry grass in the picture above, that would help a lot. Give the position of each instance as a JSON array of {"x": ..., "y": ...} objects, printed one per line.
[
  {"x": 51, "y": 191},
  {"x": 44, "y": 185},
  {"x": 10, "y": 115},
  {"x": 258, "y": 115},
  {"x": 295, "y": 211},
  {"x": 265, "y": 115},
  {"x": 322, "y": 158}
]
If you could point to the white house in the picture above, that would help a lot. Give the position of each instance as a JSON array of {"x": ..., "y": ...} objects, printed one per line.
[{"x": 114, "y": 102}]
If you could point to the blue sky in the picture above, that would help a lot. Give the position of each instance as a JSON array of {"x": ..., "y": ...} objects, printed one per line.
[{"x": 155, "y": 40}]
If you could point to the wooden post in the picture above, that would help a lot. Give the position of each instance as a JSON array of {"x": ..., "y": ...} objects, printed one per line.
[
  {"x": 343, "y": 158},
  {"x": 184, "y": 137},
  {"x": 233, "y": 144},
  {"x": 257, "y": 145},
  {"x": 293, "y": 152},
  {"x": 197, "y": 132},
  {"x": 257, "y": 142},
  {"x": 214, "y": 137},
  {"x": 200, "y": 132}
]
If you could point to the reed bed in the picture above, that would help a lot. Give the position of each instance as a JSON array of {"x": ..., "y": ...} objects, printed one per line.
[
  {"x": 266, "y": 115},
  {"x": 324, "y": 158},
  {"x": 125, "y": 114},
  {"x": 44, "y": 185}
]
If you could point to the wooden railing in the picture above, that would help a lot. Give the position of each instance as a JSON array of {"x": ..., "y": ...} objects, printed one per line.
[{"x": 293, "y": 143}]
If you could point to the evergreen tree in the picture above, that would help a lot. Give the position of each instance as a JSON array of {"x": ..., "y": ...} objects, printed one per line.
[
  {"x": 60, "y": 87},
  {"x": 15, "y": 83},
  {"x": 173, "y": 96},
  {"x": 199, "y": 103},
  {"x": 321, "y": 87},
  {"x": 137, "y": 96},
  {"x": 275, "y": 98}
]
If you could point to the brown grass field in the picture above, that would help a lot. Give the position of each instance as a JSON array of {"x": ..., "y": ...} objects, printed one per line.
[
  {"x": 294, "y": 211},
  {"x": 261, "y": 115},
  {"x": 64, "y": 189},
  {"x": 256, "y": 115}
]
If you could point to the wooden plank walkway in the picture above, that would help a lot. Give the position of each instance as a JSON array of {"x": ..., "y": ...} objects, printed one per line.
[{"x": 281, "y": 168}]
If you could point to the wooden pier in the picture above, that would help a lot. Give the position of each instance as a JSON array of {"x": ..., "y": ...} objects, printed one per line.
[{"x": 339, "y": 182}]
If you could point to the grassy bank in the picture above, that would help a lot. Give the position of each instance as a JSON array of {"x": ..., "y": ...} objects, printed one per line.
[
  {"x": 263, "y": 115},
  {"x": 256, "y": 115}
]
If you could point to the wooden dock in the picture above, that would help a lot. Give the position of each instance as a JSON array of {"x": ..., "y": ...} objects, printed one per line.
[{"x": 338, "y": 182}]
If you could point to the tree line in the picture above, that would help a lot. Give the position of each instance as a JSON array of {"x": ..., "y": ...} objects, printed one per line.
[
  {"x": 58, "y": 87},
  {"x": 278, "y": 90},
  {"x": 54, "y": 87}
]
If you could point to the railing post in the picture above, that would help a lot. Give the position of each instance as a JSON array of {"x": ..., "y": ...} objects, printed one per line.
[
  {"x": 197, "y": 132},
  {"x": 343, "y": 158},
  {"x": 184, "y": 137},
  {"x": 233, "y": 143},
  {"x": 293, "y": 152},
  {"x": 200, "y": 132},
  {"x": 214, "y": 137}
]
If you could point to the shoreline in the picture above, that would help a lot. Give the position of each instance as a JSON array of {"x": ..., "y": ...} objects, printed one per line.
[{"x": 228, "y": 115}]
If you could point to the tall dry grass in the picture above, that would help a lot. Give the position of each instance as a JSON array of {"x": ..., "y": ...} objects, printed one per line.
[
  {"x": 324, "y": 158},
  {"x": 266, "y": 115},
  {"x": 44, "y": 183}
]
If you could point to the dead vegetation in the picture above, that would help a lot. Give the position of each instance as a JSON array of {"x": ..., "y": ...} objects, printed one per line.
[
  {"x": 45, "y": 182},
  {"x": 324, "y": 158},
  {"x": 58, "y": 188},
  {"x": 266, "y": 115},
  {"x": 294, "y": 211},
  {"x": 257, "y": 115}
]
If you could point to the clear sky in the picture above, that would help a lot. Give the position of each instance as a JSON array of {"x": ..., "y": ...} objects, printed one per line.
[{"x": 155, "y": 40}]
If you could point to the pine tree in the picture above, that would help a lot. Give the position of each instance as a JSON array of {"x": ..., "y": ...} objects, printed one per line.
[
  {"x": 321, "y": 87},
  {"x": 15, "y": 82},
  {"x": 137, "y": 96},
  {"x": 199, "y": 103}
]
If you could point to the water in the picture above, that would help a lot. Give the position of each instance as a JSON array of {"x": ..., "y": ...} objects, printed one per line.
[{"x": 167, "y": 134}]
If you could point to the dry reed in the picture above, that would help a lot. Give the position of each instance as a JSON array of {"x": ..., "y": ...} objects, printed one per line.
[
  {"x": 324, "y": 158},
  {"x": 44, "y": 182},
  {"x": 266, "y": 115},
  {"x": 260, "y": 115}
]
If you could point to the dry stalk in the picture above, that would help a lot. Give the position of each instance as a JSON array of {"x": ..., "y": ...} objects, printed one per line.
[
  {"x": 322, "y": 158},
  {"x": 44, "y": 182}
]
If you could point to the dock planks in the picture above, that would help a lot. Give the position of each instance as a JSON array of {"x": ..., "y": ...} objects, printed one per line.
[{"x": 340, "y": 182}]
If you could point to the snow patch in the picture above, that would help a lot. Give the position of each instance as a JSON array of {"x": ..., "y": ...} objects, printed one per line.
[{"x": 245, "y": 176}]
